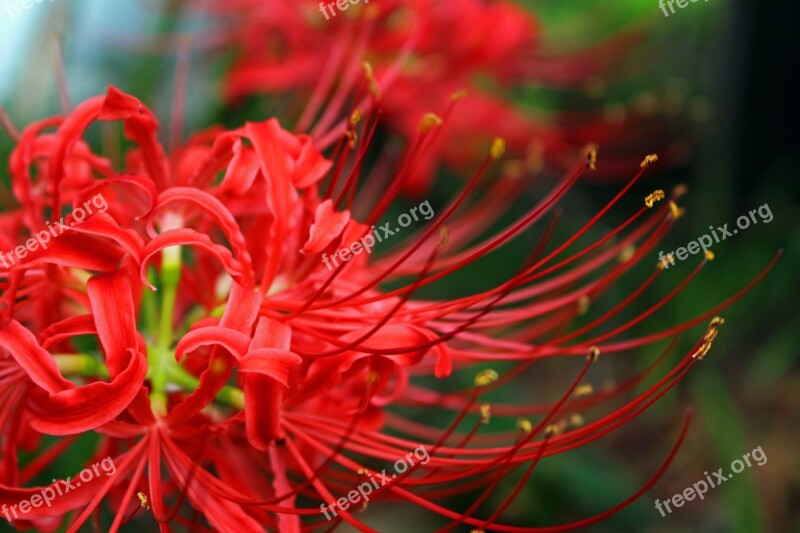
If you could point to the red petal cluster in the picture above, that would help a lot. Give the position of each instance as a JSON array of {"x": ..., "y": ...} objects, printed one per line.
[{"x": 269, "y": 383}]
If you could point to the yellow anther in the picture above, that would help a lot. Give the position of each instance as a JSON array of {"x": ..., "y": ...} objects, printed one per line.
[
  {"x": 669, "y": 259},
  {"x": 591, "y": 159},
  {"x": 584, "y": 390},
  {"x": 444, "y": 238},
  {"x": 627, "y": 253},
  {"x": 486, "y": 377},
  {"x": 486, "y": 413},
  {"x": 355, "y": 116},
  {"x": 429, "y": 121},
  {"x": 708, "y": 338},
  {"x": 655, "y": 196},
  {"x": 576, "y": 420},
  {"x": 525, "y": 425},
  {"x": 583, "y": 304},
  {"x": 594, "y": 354},
  {"x": 353, "y": 136},
  {"x": 649, "y": 160},
  {"x": 551, "y": 430},
  {"x": 710, "y": 255},
  {"x": 675, "y": 211},
  {"x": 143, "y": 501},
  {"x": 373, "y": 85},
  {"x": 498, "y": 148},
  {"x": 679, "y": 190},
  {"x": 458, "y": 95},
  {"x": 361, "y": 471}
]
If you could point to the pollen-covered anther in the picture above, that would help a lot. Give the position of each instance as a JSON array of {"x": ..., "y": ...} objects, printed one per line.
[
  {"x": 669, "y": 258},
  {"x": 458, "y": 95},
  {"x": 525, "y": 425},
  {"x": 591, "y": 159},
  {"x": 655, "y": 196},
  {"x": 361, "y": 471},
  {"x": 576, "y": 420},
  {"x": 352, "y": 136},
  {"x": 627, "y": 253},
  {"x": 444, "y": 238},
  {"x": 373, "y": 85},
  {"x": 364, "y": 505},
  {"x": 594, "y": 353},
  {"x": 430, "y": 120},
  {"x": 143, "y": 501},
  {"x": 679, "y": 190},
  {"x": 708, "y": 338},
  {"x": 583, "y": 304},
  {"x": 551, "y": 430},
  {"x": 675, "y": 211},
  {"x": 584, "y": 390},
  {"x": 649, "y": 160},
  {"x": 486, "y": 413},
  {"x": 498, "y": 148},
  {"x": 709, "y": 255},
  {"x": 486, "y": 377}
]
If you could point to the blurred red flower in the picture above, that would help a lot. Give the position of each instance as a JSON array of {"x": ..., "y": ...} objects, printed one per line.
[{"x": 421, "y": 56}]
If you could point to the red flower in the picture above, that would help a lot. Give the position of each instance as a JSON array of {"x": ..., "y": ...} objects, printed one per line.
[
  {"x": 425, "y": 55},
  {"x": 253, "y": 374}
]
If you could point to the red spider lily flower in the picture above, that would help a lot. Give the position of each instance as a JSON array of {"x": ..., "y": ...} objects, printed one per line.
[
  {"x": 232, "y": 377},
  {"x": 422, "y": 55}
]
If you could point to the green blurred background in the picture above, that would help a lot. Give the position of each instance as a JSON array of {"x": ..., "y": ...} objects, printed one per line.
[{"x": 732, "y": 68}]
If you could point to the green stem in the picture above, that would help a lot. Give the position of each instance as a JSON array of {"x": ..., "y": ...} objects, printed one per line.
[
  {"x": 159, "y": 357},
  {"x": 228, "y": 394},
  {"x": 81, "y": 365}
]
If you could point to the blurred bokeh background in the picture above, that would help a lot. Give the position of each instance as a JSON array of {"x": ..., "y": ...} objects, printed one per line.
[{"x": 728, "y": 69}]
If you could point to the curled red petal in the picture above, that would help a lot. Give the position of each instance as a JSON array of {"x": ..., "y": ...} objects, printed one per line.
[
  {"x": 328, "y": 224},
  {"x": 87, "y": 407},
  {"x": 36, "y": 361},
  {"x": 233, "y": 341},
  {"x": 188, "y": 237}
]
